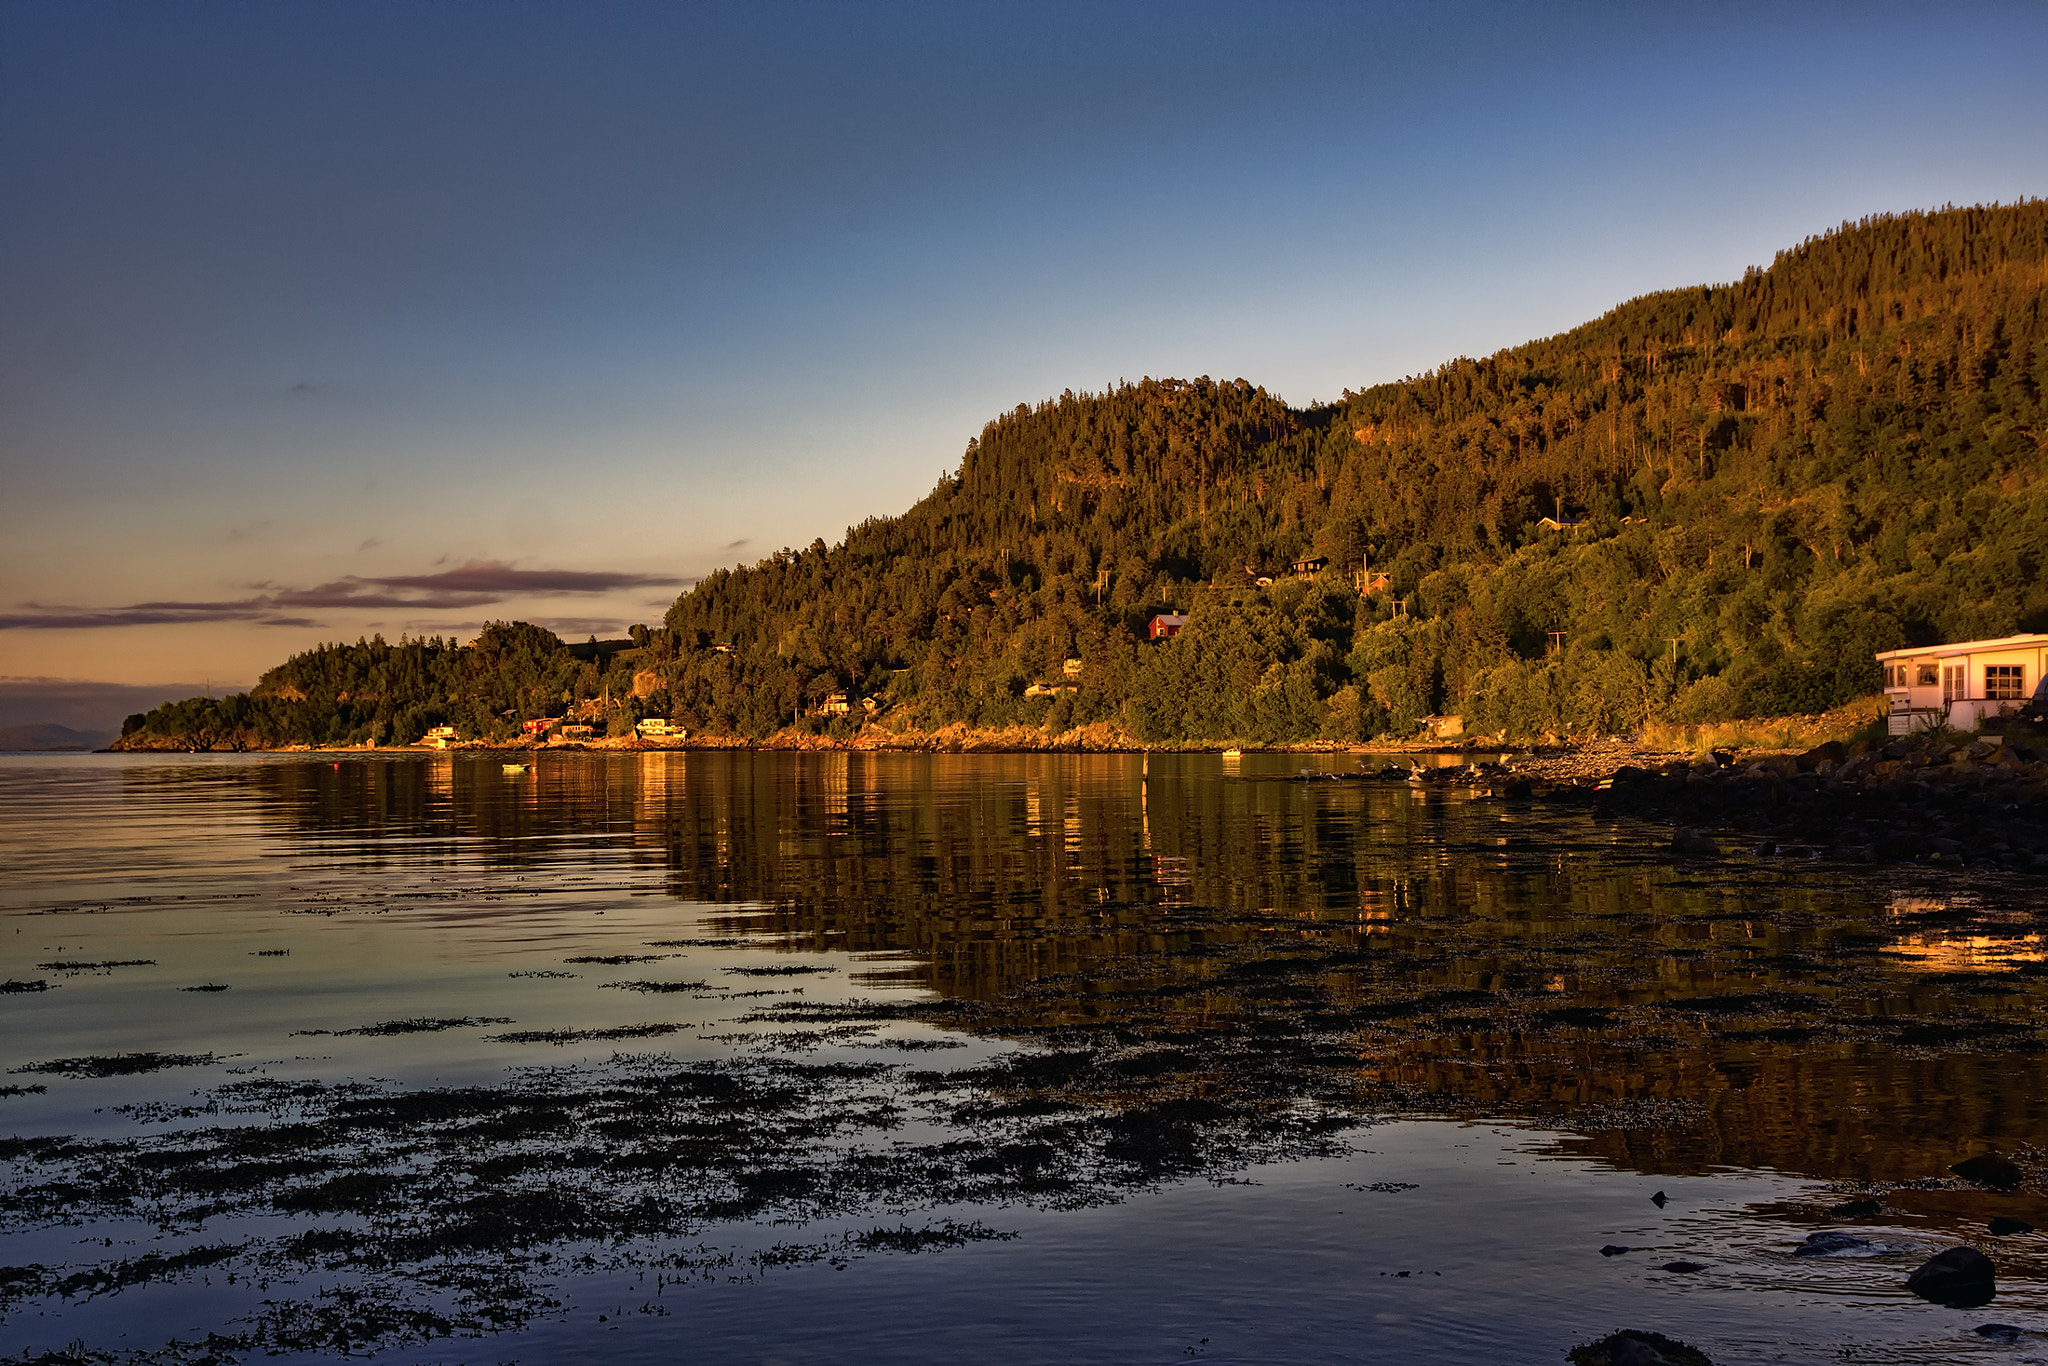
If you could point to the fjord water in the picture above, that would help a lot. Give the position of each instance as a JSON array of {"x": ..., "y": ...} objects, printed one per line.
[{"x": 1004, "y": 1058}]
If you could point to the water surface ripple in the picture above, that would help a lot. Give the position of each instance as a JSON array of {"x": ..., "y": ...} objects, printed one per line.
[{"x": 810, "y": 1058}]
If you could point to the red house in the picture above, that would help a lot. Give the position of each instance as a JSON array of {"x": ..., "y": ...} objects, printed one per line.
[{"x": 1166, "y": 625}]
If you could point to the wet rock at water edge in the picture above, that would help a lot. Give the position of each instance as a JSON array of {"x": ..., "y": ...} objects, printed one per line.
[
  {"x": 1638, "y": 1347},
  {"x": 2005, "y": 1226},
  {"x": 1991, "y": 1170},
  {"x": 1683, "y": 1268},
  {"x": 1829, "y": 1242},
  {"x": 1660, "y": 1199},
  {"x": 1689, "y": 843},
  {"x": 1856, "y": 1209},
  {"x": 1614, "y": 1250},
  {"x": 1960, "y": 1278},
  {"x": 1999, "y": 1332}
]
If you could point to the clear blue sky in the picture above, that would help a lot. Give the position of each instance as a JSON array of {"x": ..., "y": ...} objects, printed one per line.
[{"x": 319, "y": 319}]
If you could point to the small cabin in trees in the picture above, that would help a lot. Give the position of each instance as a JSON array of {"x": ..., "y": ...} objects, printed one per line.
[
  {"x": 658, "y": 728},
  {"x": 1166, "y": 625},
  {"x": 1961, "y": 684},
  {"x": 1561, "y": 523},
  {"x": 1310, "y": 567}
]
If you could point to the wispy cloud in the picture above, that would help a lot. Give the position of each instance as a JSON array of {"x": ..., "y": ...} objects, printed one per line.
[
  {"x": 484, "y": 576},
  {"x": 477, "y": 584}
]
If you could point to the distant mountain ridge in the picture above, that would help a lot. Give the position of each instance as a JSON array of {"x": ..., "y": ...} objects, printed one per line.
[
  {"x": 48, "y": 736},
  {"x": 1712, "y": 501}
]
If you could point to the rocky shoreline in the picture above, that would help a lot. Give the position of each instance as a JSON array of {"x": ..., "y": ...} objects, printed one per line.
[{"x": 1936, "y": 798}]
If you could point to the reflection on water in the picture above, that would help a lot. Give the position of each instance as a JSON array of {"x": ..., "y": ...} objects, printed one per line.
[{"x": 1241, "y": 934}]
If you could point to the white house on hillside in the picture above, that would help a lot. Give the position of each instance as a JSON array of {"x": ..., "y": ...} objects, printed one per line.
[{"x": 1962, "y": 684}]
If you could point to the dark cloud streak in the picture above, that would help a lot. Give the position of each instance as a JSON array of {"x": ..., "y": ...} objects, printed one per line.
[
  {"x": 488, "y": 577},
  {"x": 478, "y": 584}
]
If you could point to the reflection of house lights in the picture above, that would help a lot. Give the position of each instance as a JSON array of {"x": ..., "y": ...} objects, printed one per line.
[
  {"x": 1976, "y": 952},
  {"x": 1936, "y": 951}
]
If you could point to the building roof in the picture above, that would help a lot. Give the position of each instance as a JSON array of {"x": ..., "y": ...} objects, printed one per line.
[
  {"x": 1172, "y": 618},
  {"x": 1970, "y": 647}
]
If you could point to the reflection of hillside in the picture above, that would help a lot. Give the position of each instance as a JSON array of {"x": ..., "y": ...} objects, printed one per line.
[{"x": 1352, "y": 939}]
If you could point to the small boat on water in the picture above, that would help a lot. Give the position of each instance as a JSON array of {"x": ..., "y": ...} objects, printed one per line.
[
  {"x": 1233, "y": 754},
  {"x": 513, "y": 768}
]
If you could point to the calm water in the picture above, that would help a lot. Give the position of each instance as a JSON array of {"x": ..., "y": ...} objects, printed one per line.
[{"x": 753, "y": 1058}]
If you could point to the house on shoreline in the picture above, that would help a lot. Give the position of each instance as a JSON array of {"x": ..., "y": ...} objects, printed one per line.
[{"x": 1961, "y": 684}]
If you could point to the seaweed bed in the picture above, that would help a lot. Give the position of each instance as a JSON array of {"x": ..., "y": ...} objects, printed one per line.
[{"x": 455, "y": 1211}]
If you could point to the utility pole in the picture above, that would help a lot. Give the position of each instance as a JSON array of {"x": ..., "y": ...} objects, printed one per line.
[
  {"x": 1557, "y": 642},
  {"x": 1674, "y": 648}
]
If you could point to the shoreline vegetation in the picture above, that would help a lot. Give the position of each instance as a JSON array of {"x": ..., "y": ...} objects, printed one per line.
[{"x": 1695, "y": 517}]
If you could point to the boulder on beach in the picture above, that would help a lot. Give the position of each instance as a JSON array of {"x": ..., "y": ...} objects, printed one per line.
[
  {"x": 1637, "y": 1347},
  {"x": 1960, "y": 1278},
  {"x": 2005, "y": 1226}
]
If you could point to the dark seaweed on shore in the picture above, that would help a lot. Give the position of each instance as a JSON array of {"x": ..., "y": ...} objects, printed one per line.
[
  {"x": 564, "y": 1036},
  {"x": 657, "y": 988},
  {"x": 420, "y": 1025},
  {"x": 467, "y": 1196},
  {"x": 118, "y": 1064}
]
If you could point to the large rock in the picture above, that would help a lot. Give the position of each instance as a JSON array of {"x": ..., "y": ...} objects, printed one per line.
[
  {"x": 1828, "y": 1243},
  {"x": 1989, "y": 1169},
  {"x": 1961, "y": 1278}
]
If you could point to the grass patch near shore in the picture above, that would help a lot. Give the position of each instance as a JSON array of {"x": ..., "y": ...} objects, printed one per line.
[{"x": 1861, "y": 719}]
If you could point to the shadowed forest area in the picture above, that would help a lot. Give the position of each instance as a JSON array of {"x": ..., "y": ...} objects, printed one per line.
[{"x": 1712, "y": 503}]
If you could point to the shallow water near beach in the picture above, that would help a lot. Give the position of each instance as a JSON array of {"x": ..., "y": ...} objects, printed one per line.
[{"x": 809, "y": 1058}]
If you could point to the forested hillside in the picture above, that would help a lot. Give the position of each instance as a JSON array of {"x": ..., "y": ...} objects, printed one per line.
[
  {"x": 1760, "y": 484},
  {"x": 1773, "y": 479}
]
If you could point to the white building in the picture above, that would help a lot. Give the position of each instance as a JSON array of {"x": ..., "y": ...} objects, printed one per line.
[{"x": 1962, "y": 684}]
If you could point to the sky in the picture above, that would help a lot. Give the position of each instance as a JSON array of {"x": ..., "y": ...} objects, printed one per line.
[{"x": 321, "y": 320}]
